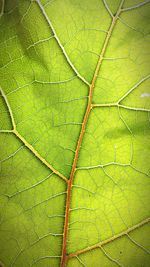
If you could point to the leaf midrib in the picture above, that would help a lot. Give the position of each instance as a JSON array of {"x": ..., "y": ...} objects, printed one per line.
[
  {"x": 65, "y": 257},
  {"x": 79, "y": 142}
]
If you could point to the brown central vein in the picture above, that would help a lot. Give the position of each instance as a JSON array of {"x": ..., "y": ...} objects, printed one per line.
[{"x": 85, "y": 120}]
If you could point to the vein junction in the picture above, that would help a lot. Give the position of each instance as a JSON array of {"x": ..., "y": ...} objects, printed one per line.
[
  {"x": 90, "y": 106},
  {"x": 113, "y": 238},
  {"x": 23, "y": 140}
]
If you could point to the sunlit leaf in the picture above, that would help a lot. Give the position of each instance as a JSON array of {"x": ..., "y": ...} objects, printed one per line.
[{"x": 74, "y": 133}]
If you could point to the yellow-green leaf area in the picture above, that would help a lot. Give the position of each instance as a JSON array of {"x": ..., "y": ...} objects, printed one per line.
[{"x": 74, "y": 133}]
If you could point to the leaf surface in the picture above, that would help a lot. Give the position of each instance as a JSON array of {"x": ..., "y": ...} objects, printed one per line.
[{"x": 74, "y": 133}]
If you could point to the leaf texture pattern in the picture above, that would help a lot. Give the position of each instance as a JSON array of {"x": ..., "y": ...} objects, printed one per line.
[{"x": 74, "y": 130}]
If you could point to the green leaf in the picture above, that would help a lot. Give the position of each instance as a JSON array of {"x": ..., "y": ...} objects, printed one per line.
[{"x": 74, "y": 128}]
